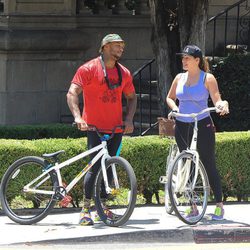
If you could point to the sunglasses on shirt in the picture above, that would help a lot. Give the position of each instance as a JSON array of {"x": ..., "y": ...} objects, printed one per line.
[{"x": 111, "y": 85}]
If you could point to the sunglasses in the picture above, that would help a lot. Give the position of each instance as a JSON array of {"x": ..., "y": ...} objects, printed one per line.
[{"x": 111, "y": 85}]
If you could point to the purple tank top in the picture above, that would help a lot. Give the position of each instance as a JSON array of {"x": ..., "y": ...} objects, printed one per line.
[{"x": 192, "y": 99}]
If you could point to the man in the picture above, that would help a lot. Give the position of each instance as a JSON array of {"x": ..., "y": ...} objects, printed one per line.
[{"x": 103, "y": 81}]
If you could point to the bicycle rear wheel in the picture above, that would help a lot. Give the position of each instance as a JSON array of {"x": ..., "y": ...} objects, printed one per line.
[
  {"x": 116, "y": 207},
  {"x": 188, "y": 194},
  {"x": 27, "y": 207}
]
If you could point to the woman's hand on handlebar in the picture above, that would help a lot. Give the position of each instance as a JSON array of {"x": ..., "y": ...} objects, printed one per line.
[
  {"x": 81, "y": 124},
  {"x": 223, "y": 107},
  {"x": 176, "y": 109}
]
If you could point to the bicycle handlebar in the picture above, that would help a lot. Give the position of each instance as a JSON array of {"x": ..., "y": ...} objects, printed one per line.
[
  {"x": 193, "y": 115},
  {"x": 100, "y": 132},
  {"x": 103, "y": 130}
]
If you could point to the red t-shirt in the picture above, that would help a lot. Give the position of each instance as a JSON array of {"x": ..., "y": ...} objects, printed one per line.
[{"x": 102, "y": 106}]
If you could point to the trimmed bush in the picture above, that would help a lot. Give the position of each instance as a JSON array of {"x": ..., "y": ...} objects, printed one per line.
[
  {"x": 147, "y": 155},
  {"x": 31, "y": 132},
  {"x": 232, "y": 157}
]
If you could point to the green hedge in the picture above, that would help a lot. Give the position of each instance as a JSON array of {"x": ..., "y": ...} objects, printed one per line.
[
  {"x": 31, "y": 132},
  {"x": 147, "y": 155},
  {"x": 232, "y": 156}
]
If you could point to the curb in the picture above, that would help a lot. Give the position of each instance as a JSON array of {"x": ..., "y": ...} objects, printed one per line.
[
  {"x": 159, "y": 236},
  {"x": 236, "y": 235},
  {"x": 198, "y": 236}
]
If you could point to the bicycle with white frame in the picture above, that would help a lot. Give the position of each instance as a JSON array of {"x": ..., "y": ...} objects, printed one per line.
[
  {"x": 188, "y": 184},
  {"x": 173, "y": 152},
  {"x": 31, "y": 186}
]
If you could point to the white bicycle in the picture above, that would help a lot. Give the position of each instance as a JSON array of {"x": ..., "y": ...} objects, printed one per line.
[
  {"x": 173, "y": 152},
  {"x": 188, "y": 185},
  {"x": 33, "y": 185}
]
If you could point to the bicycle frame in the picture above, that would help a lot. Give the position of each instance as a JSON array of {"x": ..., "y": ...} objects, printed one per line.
[{"x": 103, "y": 154}]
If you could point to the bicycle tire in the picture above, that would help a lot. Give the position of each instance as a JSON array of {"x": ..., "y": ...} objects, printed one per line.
[
  {"x": 182, "y": 195},
  {"x": 168, "y": 205},
  {"x": 26, "y": 207},
  {"x": 116, "y": 208},
  {"x": 170, "y": 159}
]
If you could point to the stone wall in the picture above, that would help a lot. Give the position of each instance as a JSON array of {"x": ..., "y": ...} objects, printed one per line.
[
  {"x": 34, "y": 7},
  {"x": 40, "y": 54}
]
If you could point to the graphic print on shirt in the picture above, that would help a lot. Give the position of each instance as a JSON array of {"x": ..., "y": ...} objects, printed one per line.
[{"x": 110, "y": 95}]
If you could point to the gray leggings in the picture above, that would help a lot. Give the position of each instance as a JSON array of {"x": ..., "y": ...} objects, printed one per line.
[{"x": 206, "y": 149}]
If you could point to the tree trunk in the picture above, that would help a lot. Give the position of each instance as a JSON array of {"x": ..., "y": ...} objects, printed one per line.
[
  {"x": 175, "y": 23},
  {"x": 192, "y": 18},
  {"x": 165, "y": 43}
]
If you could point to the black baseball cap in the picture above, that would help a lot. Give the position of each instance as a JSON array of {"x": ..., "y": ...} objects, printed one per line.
[{"x": 191, "y": 50}]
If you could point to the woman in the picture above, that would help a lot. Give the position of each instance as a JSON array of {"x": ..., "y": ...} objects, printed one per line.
[{"x": 192, "y": 90}]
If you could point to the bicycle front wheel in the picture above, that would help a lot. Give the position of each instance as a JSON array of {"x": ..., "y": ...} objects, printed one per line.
[
  {"x": 171, "y": 156},
  {"x": 22, "y": 206},
  {"x": 168, "y": 206},
  {"x": 116, "y": 206},
  {"x": 188, "y": 188}
]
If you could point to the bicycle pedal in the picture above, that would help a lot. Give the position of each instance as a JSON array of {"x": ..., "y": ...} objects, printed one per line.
[
  {"x": 163, "y": 179},
  {"x": 65, "y": 201}
]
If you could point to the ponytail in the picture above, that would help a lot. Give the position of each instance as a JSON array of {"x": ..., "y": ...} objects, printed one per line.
[{"x": 204, "y": 65}]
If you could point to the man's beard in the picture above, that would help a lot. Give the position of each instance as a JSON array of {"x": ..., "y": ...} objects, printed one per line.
[{"x": 116, "y": 57}]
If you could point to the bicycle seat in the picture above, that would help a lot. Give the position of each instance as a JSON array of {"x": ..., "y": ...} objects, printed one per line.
[{"x": 53, "y": 155}]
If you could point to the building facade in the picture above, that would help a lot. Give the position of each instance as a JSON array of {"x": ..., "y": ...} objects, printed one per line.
[{"x": 42, "y": 43}]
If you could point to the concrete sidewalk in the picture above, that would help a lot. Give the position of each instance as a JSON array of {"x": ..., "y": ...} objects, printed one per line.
[{"x": 147, "y": 224}]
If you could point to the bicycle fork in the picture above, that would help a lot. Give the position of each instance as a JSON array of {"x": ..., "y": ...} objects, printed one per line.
[
  {"x": 183, "y": 172},
  {"x": 105, "y": 175}
]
